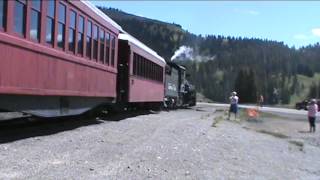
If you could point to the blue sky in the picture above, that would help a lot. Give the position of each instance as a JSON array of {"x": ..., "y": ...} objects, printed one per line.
[{"x": 293, "y": 22}]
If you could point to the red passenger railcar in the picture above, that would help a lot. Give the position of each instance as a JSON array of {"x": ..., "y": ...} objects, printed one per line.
[
  {"x": 58, "y": 57},
  {"x": 141, "y": 73}
]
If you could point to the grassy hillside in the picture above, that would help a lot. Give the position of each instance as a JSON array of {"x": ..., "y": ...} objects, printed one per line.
[{"x": 306, "y": 83}]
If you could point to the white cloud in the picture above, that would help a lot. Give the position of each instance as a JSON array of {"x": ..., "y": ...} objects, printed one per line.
[{"x": 316, "y": 32}]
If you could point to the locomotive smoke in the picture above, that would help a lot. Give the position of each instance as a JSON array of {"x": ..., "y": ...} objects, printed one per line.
[
  {"x": 184, "y": 52},
  {"x": 188, "y": 53}
]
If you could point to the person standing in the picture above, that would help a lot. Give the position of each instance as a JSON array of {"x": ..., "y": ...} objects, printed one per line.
[
  {"x": 234, "y": 99},
  {"x": 312, "y": 112},
  {"x": 261, "y": 100}
]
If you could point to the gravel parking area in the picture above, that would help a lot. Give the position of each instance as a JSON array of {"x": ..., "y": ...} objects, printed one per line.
[{"x": 180, "y": 144}]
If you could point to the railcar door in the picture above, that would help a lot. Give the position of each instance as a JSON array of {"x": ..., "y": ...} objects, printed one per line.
[{"x": 123, "y": 72}]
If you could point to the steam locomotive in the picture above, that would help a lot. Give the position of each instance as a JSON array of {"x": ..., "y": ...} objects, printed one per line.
[{"x": 178, "y": 91}]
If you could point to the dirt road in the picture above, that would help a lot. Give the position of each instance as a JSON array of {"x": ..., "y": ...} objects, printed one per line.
[{"x": 179, "y": 144}]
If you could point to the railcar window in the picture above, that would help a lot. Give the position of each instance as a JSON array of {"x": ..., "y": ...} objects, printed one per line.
[
  {"x": 89, "y": 39},
  {"x": 20, "y": 17},
  {"x": 161, "y": 74},
  {"x": 143, "y": 67},
  {"x": 61, "y": 25},
  {"x": 102, "y": 46},
  {"x": 146, "y": 74},
  {"x": 50, "y": 21},
  {"x": 3, "y": 12},
  {"x": 148, "y": 69},
  {"x": 137, "y": 66},
  {"x": 107, "y": 48},
  {"x": 51, "y": 8},
  {"x": 36, "y": 4},
  {"x": 113, "y": 46},
  {"x": 134, "y": 64},
  {"x": 157, "y": 73},
  {"x": 35, "y": 20},
  {"x": 140, "y": 66},
  {"x": 72, "y": 31},
  {"x": 80, "y": 35},
  {"x": 154, "y": 71},
  {"x": 95, "y": 42}
]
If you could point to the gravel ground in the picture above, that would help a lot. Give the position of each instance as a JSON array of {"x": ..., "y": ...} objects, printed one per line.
[{"x": 179, "y": 144}]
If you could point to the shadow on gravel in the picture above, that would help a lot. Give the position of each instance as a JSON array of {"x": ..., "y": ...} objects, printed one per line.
[
  {"x": 304, "y": 132},
  {"x": 17, "y": 129},
  {"x": 124, "y": 115},
  {"x": 274, "y": 134}
]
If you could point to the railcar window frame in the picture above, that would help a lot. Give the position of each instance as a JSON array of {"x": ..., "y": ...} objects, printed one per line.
[
  {"x": 72, "y": 30},
  {"x": 146, "y": 69},
  {"x": 3, "y": 16},
  {"x": 149, "y": 70},
  {"x": 143, "y": 67},
  {"x": 50, "y": 22},
  {"x": 61, "y": 25},
  {"x": 81, "y": 26},
  {"x": 161, "y": 74},
  {"x": 153, "y": 71},
  {"x": 95, "y": 41},
  {"x": 108, "y": 43},
  {"x": 102, "y": 44},
  {"x": 89, "y": 40},
  {"x": 113, "y": 50},
  {"x": 35, "y": 10},
  {"x": 134, "y": 66},
  {"x": 21, "y": 16}
]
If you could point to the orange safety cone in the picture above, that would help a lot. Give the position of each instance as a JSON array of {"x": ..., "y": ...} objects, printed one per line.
[{"x": 252, "y": 113}]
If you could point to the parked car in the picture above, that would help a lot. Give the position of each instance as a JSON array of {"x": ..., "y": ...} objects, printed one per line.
[{"x": 303, "y": 104}]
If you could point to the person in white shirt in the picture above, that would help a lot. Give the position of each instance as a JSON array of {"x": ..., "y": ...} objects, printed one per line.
[{"x": 234, "y": 99}]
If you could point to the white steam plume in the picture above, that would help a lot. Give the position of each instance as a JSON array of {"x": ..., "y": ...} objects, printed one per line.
[{"x": 183, "y": 52}]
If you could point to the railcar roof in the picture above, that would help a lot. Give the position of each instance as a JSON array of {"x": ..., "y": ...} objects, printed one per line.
[
  {"x": 101, "y": 14},
  {"x": 124, "y": 35},
  {"x": 128, "y": 37}
]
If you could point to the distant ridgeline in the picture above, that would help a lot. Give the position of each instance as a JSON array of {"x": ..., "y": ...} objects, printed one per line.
[{"x": 218, "y": 65}]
